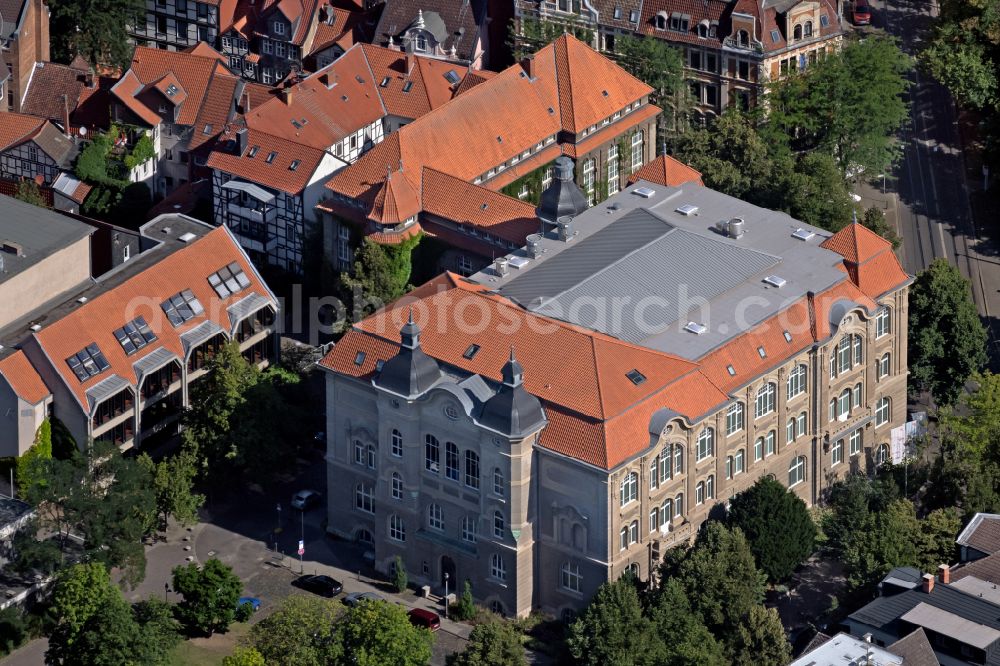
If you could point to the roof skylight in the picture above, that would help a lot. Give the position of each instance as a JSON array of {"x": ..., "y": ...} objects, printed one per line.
[
  {"x": 134, "y": 335},
  {"x": 88, "y": 362},
  {"x": 181, "y": 307},
  {"x": 229, "y": 280},
  {"x": 471, "y": 351},
  {"x": 635, "y": 376}
]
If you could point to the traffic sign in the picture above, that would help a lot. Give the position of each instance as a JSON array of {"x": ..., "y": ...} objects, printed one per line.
[{"x": 302, "y": 547}]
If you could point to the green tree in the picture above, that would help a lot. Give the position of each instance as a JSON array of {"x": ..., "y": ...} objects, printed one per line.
[
  {"x": 14, "y": 629},
  {"x": 95, "y": 29},
  {"x": 719, "y": 576},
  {"x": 301, "y": 632},
  {"x": 79, "y": 593},
  {"x": 849, "y": 104},
  {"x": 267, "y": 415},
  {"x": 964, "y": 51},
  {"x": 381, "y": 275},
  {"x": 173, "y": 484},
  {"x": 760, "y": 640},
  {"x": 109, "y": 637},
  {"x": 777, "y": 525},
  {"x": 246, "y": 657},
  {"x": 613, "y": 631},
  {"x": 886, "y": 539},
  {"x": 32, "y": 556},
  {"x": 874, "y": 219},
  {"x": 465, "y": 609},
  {"x": 813, "y": 190},
  {"x": 494, "y": 643},
  {"x": 947, "y": 340},
  {"x": 31, "y": 465},
  {"x": 658, "y": 64},
  {"x": 380, "y": 634},
  {"x": 938, "y": 531},
  {"x": 690, "y": 641},
  {"x": 210, "y": 594},
  {"x": 400, "y": 581},
  {"x": 28, "y": 192}
]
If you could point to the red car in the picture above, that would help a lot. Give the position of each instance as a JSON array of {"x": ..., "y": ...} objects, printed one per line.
[
  {"x": 862, "y": 12},
  {"x": 425, "y": 618}
]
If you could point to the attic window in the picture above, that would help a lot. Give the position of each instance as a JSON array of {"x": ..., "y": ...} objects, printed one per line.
[
  {"x": 824, "y": 21},
  {"x": 471, "y": 352},
  {"x": 788, "y": 336},
  {"x": 551, "y": 111},
  {"x": 359, "y": 358},
  {"x": 635, "y": 377},
  {"x": 181, "y": 307},
  {"x": 604, "y": 92},
  {"x": 618, "y": 12},
  {"x": 775, "y": 36},
  {"x": 229, "y": 280},
  {"x": 253, "y": 150},
  {"x": 407, "y": 86},
  {"x": 499, "y": 139},
  {"x": 294, "y": 165},
  {"x": 384, "y": 83},
  {"x": 357, "y": 77},
  {"x": 452, "y": 76},
  {"x": 762, "y": 352},
  {"x": 731, "y": 370},
  {"x": 633, "y": 16},
  {"x": 171, "y": 90},
  {"x": 270, "y": 157},
  {"x": 134, "y": 335},
  {"x": 207, "y": 130},
  {"x": 484, "y": 206},
  {"x": 378, "y": 365},
  {"x": 296, "y": 123}
]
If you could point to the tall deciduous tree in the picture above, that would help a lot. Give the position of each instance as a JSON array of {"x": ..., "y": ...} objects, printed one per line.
[
  {"x": 947, "y": 340},
  {"x": 173, "y": 484},
  {"x": 210, "y": 594},
  {"x": 613, "y": 631},
  {"x": 777, "y": 525},
  {"x": 964, "y": 52},
  {"x": 301, "y": 631},
  {"x": 380, "y": 634},
  {"x": 95, "y": 29},
  {"x": 28, "y": 192},
  {"x": 760, "y": 640},
  {"x": 849, "y": 104},
  {"x": 690, "y": 642},
  {"x": 658, "y": 64},
  {"x": 874, "y": 219},
  {"x": 493, "y": 643}
]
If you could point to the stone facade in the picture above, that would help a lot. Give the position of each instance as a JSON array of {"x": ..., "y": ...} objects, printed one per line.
[{"x": 25, "y": 46}]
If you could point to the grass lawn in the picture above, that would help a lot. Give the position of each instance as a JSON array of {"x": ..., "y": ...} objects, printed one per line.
[{"x": 209, "y": 651}]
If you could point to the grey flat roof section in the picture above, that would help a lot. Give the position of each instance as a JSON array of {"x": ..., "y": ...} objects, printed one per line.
[
  {"x": 846, "y": 650},
  {"x": 940, "y": 621},
  {"x": 636, "y": 245},
  {"x": 39, "y": 231}
]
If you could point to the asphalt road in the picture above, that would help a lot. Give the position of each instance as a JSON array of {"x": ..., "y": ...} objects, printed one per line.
[{"x": 933, "y": 211}]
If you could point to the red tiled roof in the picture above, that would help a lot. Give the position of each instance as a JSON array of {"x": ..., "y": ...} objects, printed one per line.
[
  {"x": 276, "y": 174},
  {"x": 337, "y": 29},
  {"x": 456, "y": 200},
  {"x": 665, "y": 170},
  {"x": 395, "y": 202},
  {"x": 24, "y": 380},
  {"x": 196, "y": 74},
  {"x": 96, "y": 320},
  {"x": 17, "y": 128},
  {"x": 428, "y": 87},
  {"x": 868, "y": 258},
  {"x": 164, "y": 84},
  {"x": 9, "y": 188},
  {"x": 856, "y": 243}
]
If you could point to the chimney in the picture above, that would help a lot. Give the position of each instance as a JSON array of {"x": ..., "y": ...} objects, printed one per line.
[
  {"x": 65, "y": 118},
  {"x": 528, "y": 65},
  {"x": 928, "y": 585},
  {"x": 944, "y": 574},
  {"x": 241, "y": 141}
]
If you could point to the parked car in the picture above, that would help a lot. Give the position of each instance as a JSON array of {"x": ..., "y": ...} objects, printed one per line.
[
  {"x": 862, "y": 12},
  {"x": 319, "y": 584},
  {"x": 355, "y": 598},
  {"x": 305, "y": 500},
  {"x": 425, "y": 618},
  {"x": 253, "y": 601}
]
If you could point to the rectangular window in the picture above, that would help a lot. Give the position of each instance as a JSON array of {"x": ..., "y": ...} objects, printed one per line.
[
  {"x": 654, "y": 519},
  {"x": 800, "y": 427},
  {"x": 432, "y": 454},
  {"x": 882, "y": 323},
  {"x": 769, "y": 442},
  {"x": 451, "y": 461},
  {"x": 744, "y": 70},
  {"x": 838, "y": 452},
  {"x": 613, "y": 184},
  {"x": 694, "y": 59},
  {"x": 267, "y": 48},
  {"x": 279, "y": 28},
  {"x": 279, "y": 49},
  {"x": 678, "y": 459},
  {"x": 637, "y": 146},
  {"x": 739, "y": 464},
  {"x": 856, "y": 442}
]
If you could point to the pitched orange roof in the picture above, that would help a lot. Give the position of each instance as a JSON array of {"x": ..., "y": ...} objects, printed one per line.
[
  {"x": 665, "y": 170},
  {"x": 868, "y": 258},
  {"x": 395, "y": 202},
  {"x": 96, "y": 320},
  {"x": 410, "y": 86},
  {"x": 17, "y": 127},
  {"x": 277, "y": 172},
  {"x": 167, "y": 83},
  {"x": 195, "y": 73},
  {"x": 456, "y": 200},
  {"x": 24, "y": 380},
  {"x": 856, "y": 243}
]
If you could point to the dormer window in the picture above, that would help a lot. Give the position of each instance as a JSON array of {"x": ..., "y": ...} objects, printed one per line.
[
  {"x": 797, "y": 32},
  {"x": 743, "y": 38},
  {"x": 713, "y": 28},
  {"x": 703, "y": 30},
  {"x": 270, "y": 157},
  {"x": 807, "y": 29},
  {"x": 661, "y": 21},
  {"x": 824, "y": 21},
  {"x": 618, "y": 13},
  {"x": 279, "y": 28},
  {"x": 420, "y": 43}
]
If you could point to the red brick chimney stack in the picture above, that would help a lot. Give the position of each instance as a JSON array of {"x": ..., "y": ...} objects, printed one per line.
[
  {"x": 944, "y": 574},
  {"x": 928, "y": 585}
]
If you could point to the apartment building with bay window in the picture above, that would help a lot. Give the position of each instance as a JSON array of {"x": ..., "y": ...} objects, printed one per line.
[{"x": 571, "y": 412}]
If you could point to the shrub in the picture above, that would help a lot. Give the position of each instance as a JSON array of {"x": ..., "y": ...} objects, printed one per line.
[{"x": 400, "y": 580}]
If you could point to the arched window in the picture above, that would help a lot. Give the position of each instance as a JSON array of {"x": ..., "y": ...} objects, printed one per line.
[
  {"x": 569, "y": 577},
  {"x": 881, "y": 454},
  {"x": 769, "y": 443},
  {"x": 498, "y": 570},
  {"x": 654, "y": 476},
  {"x": 397, "y": 486},
  {"x": 432, "y": 454},
  {"x": 661, "y": 21},
  {"x": 364, "y": 536},
  {"x": 679, "y": 505},
  {"x": 397, "y": 530},
  {"x": 758, "y": 449},
  {"x": 743, "y": 38},
  {"x": 364, "y": 497},
  {"x": 706, "y": 443},
  {"x": 469, "y": 529},
  {"x": 884, "y": 366},
  {"x": 435, "y": 517},
  {"x": 856, "y": 399},
  {"x": 629, "y": 488},
  {"x": 797, "y": 32},
  {"x": 790, "y": 431},
  {"x": 796, "y": 384},
  {"x": 882, "y": 411},
  {"x": 703, "y": 30},
  {"x": 421, "y": 42},
  {"x": 498, "y": 608},
  {"x": 797, "y": 471},
  {"x": 498, "y": 482},
  {"x": 359, "y": 452},
  {"x": 396, "y": 443},
  {"x": 734, "y": 418},
  {"x": 665, "y": 464},
  {"x": 589, "y": 169},
  {"x": 499, "y": 525},
  {"x": 472, "y": 469},
  {"x": 858, "y": 344},
  {"x": 666, "y": 514},
  {"x": 699, "y": 493},
  {"x": 451, "y": 461},
  {"x": 623, "y": 538},
  {"x": 633, "y": 532},
  {"x": 765, "y": 400},
  {"x": 807, "y": 29},
  {"x": 739, "y": 462}
]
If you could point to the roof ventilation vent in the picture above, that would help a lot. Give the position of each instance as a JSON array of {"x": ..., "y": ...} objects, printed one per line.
[
  {"x": 500, "y": 266},
  {"x": 10, "y": 247},
  {"x": 803, "y": 234},
  {"x": 776, "y": 281},
  {"x": 736, "y": 227},
  {"x": 517, "y": 262},
  {"x": 166, "y": 230},
  {"x": 687, "y": 209},
  {"x": 566, "y": 231},
  {"x": 186, "y": 237},
  {"x": 644, "y": 192},
  {"x": 788, "y": 336},
  {"x": 82, "y": 300},
  {"x": 35, "y": 327},
  {"x": 534, "y": 246},
  {"x": 695, "y": 327}
]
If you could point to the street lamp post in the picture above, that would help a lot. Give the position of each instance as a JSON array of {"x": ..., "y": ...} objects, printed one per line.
[
  {"x": 301, "y": 564},
  {"x": 166, "y": 589},
  {"x": 277, "y": 530},
  {"x": 446, "y": 594}
]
